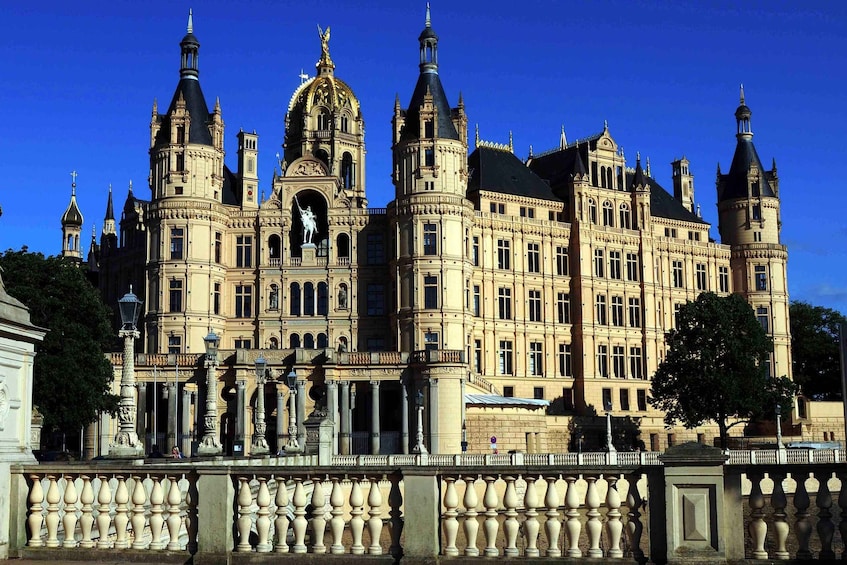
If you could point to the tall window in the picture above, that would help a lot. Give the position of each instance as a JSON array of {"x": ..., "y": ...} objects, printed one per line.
[
  {"x": 535, "y": 358},
  {"x": 376, "y": 249},
  {"x": 761, "y": 272},
  {"x": 475, "y": 251},
  {"x": 700, "y": 271},
  {"x": 618, "y": 362},
  {"x": 243, "y": 301},
  {"x": 477, "y": 355},
  {"x": 625, "y": 399},
  {"x": 504, "y": 303},
  {"x": 244, "y": 251},
  {"x": 599, "y": 262},
  {"x": 631, "y": 266},
  {"x": 608, "y": 214},
  {"x": 641, "y": 396},
  {"x": 533, "y": 258},
  {"x": 635, "y": 312},
  {"x": 563, "y": 308},
  {"x": 294, "y": 299},
  {"x": 177, "y": 238},
  {"x": 562, "y": 261},
  {"x": 477, "y": 299},
  {"x": 624, "y": 216},
  {"x": 723, "y": 279},
  {"x": 678, "y": 280},
  {"x": 430, "y": 239},
  {"x": 592, "y": 211},
  {"x": 175, "y": 296},
  {"x": 504, "y": 254},
  {"x": 534, "y": 305},
  {"x": 431, "y": 340},
  {"x": 323, "y": 300},
  {"x": 565, "y": 369},
  {"x": 600, "y": 309},
  {"x": 308, "y": 300},
  {"x": 430, "y": 291},
  {"x": 636, "y": 370},
  {"x": 376, "y": 299},
  {"x": 603, "y": 361},
  {"x": 218, "y": 246},
  {"x": 216, "y": 299},
  {"x": 617, "y": 311},
  {"x": 615, "y": 264},
  {"x": 764, "y": 319},
  {"x": 504, "y": 357}
]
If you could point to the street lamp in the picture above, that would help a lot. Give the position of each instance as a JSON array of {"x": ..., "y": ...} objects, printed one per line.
[
  {"x": 610, "y": 446},
  {"x": 779, "y": 444},
  {"x": 210, "y": 445},
  {"x": 126, "y": 443},
  {"x": 419, "y": 448},
  {"x": 291, "y": 380},
  {"x": 260, "y": 444}
]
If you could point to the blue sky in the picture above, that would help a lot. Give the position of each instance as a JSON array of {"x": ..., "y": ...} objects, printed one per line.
[{"x": 80, "y": 79}]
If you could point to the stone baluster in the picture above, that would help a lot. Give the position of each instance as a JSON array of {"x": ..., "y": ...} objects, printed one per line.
[
  {"x": 104, "y": 515},
  {"x": 510, "y": 524},
  {"x": 36, "y": 518},
  {"x": 450, "y": 523},
  {"x": 825, "y": 527},
  {"x": 121, "y": 514},
  {"x": 336, "y": 523},
  {"x": 593, "y": 527},
  {"x": 634, "y": 527},
  {"x": 531, "y": 526},
  {"x": 842, "y": 503},
  {"x": 244, "y": 499},
  {"x": 318, "y": 522},
  {"x": 490, "y": 501},
  {"x": 139, "y": 518},
  {"x": 552, "y": 526},
  {"x": 263, "y": 521},
  {"x": 191, "y": 522},
  {"x": 69, "y": 519},
  {"x": 780, "y": 526},
  {"x": 758, "y": 528},
  {"x": 86, "y": 520},
  {"x": 375, "y": 522},
  {"x": 395, "y": 512},
  {"x": 281, "y": 521},
  {"x": 614, "y": 527},
  {"x": 173, "y": 520},
  {"x": 157, "y": 501},
  {"x": 53, "y": 498},
  {"x": 357, "y": 523},
  {"x": 572, "y": 526},
  {"x": 803, "y": 527},
  {"x": 471, "y": 501},
  {"x": 299, "y": 526}
]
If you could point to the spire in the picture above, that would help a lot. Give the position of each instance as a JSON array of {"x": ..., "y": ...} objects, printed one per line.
[
  {"x": 428, "y": 40},
  {"x": 639, "y": 181},
  {"x": 742, "y": 94},
  {"x": 563, "y": 140},
  {"x": 110, "y": 212},
  {"x": 109, "y": 219},
  {"x": 579, "y": 170},
  {"x": 428, "y": 16},
  {"x": 190, "y": 48},
  {"x": 742, "y": 118}
]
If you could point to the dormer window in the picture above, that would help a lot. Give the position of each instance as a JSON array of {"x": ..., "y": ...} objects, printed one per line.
[
  {"x": 180, "y": 134},
  {"x": 429, "y": 129}
]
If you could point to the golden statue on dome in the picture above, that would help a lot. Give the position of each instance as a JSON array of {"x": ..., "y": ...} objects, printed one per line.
[{"x": 326, "y": 60}]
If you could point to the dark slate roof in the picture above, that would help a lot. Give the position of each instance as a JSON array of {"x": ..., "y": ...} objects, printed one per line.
[
  {"x": 560, "y": 166},
  {"x": 444, "y": 128},
  {"x": 232, "y": 188},
  {"x": 496, "y": 170},
  {"x": 110, "y": 210},
  {"x": 734, "y": 184},
  {"x": 195, "y": 104},
  {"x": 663, "y": 204},
  {"x": 72, "y": 216}
]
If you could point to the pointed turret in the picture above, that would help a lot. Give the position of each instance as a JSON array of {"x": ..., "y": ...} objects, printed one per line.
[
  {"x": 639, "y": 179},
  {"x": 72, "y": 226},
  {"x": 109, "y": 219}
]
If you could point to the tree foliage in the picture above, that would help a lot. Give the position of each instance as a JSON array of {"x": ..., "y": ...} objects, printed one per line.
[
  {"x": 71, "y": 376},
  {"x": 815, "y": 350},
  {"x": 716, "y": 368}
]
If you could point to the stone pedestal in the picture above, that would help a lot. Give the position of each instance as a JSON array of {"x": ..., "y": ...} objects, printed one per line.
[
  {"x": 319, "y": 436},
  {"x": 309, "y": 254}
]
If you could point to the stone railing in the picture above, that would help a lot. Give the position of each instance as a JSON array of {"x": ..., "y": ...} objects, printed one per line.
[{"x": 420, "y": 508}]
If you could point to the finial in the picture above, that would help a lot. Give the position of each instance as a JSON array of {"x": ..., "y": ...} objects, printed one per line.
[
  {"x": 93, "y": 231},
  {"x": 73, "y": 183},
  {"x": 461, "y": 99},
  {"x": 699, "y": 215},
  {"x": 563, "y": 140},
  {"x": 155, "y": 107},
  {"x": 190, "y": 21},
  {"x": 130, "y": 186},
  {"x": 648, "y": 167},
  {"x": 428, "y": 16},
  {"x": 217, "y": 105},
  {"x": 302, "y": 76},
  {"x": 719, "y": 168},
  {"x": 530, "y": 151},
  {"x": 605, "y": 125},
  {"x": 638, "y": 156},
  {"x": 773, "y": 164},
  {"x": 110, "y": 188},
  {"x": 511, "y": 144},
  {"x": 476, "y": 139},
  {"x": 742, "y": 94}
]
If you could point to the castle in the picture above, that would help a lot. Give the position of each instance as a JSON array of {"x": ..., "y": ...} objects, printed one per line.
[{"x": 496, "y": 298}]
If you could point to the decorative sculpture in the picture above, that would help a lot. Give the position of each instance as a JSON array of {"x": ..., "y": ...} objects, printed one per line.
[{"x": 309, "y": 220}]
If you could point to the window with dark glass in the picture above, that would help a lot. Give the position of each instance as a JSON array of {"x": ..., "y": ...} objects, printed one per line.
[
  {"x": 504, "y": 254},
  {"x": 534, "y": 305},
  {"x": 175, "y": 296},
  {"x": 723, "y": 279},
  {"x": 177, "y": 238},
  {"x": 632, "y": 266},
  {"x": 603, "y": 361},
  {"x": 430, "y": 239},
  {"x": 678, "y": 280},
  {"x": 533, "y": 258},
  {"x": 376, "y": 299},
  {"x": 563, "y": 308},
  {"x": 635, "y": 312},
  {"x": 565, "y": 369},
  {"x": 617, "y": 311},
  {"x": 636, "y": 370},
  {"x": 243, "y": 251},
  {"x": 430, "y": 291},
  {"x": 504, "y": 357},
  {"x": 761, "y": 272},
  {"x": 535, "y": 358},
  {"x": 294, "y": 299},
  {"x": 243, "y": 301},
  {"x": 600, "y": 309},
  {"x": 504, "y": 303},
  {"x": 475, "y": 252},
  {"x": 376, "y": 249},
  {"x": 700, "y": 272},
  {"x": 615, "y": 265},
  {"x": 618, "y": 362},
  {"x": 430, "y": 340},
  {"x": 562, "y": 261},
  {"x": 308, "y": 299}
]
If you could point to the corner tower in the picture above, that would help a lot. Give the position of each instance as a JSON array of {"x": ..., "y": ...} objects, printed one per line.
[{"x": 749, "y": 221}]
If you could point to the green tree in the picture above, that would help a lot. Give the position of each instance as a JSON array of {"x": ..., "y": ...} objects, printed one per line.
[
  {"x": 814, "y": 350},
  {"x": 715, "y": 368},
  {"x": 71, "y": 376}
]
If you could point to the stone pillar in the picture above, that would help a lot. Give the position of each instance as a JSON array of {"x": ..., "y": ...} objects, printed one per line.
[
  {"x": 375, "y": 439},
  {"x": 422, "y": 513},
  {"x": 301, "y": 412},
  {"x": 280, "y": 418},
  {"x": 345, "y": 418},
  {"x": 433, "y": 416},
  {"x": 141, "y": 414},
  {"x": 404, "y": 416},
  {"x": 173, "y": 403},
  {"x": 332, "y": 411},
  {"x": 185, "y": 422},
  {"x": 216, "y": 515},
  {"x": 240, "y": 418}
]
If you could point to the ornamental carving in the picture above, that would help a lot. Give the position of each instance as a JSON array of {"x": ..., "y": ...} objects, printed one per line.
[
  {"x": 4, "y": 405},
  {"x": 306, "y": 169}
]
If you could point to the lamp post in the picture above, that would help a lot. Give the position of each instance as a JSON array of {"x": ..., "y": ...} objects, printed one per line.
[
  {"x": 610, "y": 446},
  {"x": 126, "y": 443},
  {"x": 779, "y": 444},
  {"x": 210, "y": 445},
  {"x": 260, "y": 444},
  {"x": 292, "y": 446},
  {"x": 419, "y": 448}
]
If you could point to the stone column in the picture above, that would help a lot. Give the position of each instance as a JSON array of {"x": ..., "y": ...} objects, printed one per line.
[
  {"x": 375, "y": 418},
  {"x": 433, "y": 416},
  {"x": 141, "y": 414},
  {"x": 345, "y": 418},
  {"x": 301, "y": 412},
  {"x": 404, "y": 416},
  {"x": 280, "y": 418},
  {"x": 185, "y": 422},
  {"x": 332, "y": 411},
  {"x": 173, "y": 405},
  {"x": 240, "y": 418}
]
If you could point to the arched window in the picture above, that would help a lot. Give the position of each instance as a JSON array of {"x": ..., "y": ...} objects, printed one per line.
[
  {"x": 324, "y": 121},
  {"x": 323, "y": 156},
  {"x": 592, "y": 211},
  {"x": 342, "y": 246},
  {"x": 274, "y": 249},
  {"x": 345, "y": 123},
  {"x": 308, "y": 299},
  {"x": 625, "y": 217},
  {"x": 294, "y": 299},
  {"x": 323, "y": 299},
  {"x": 294, "y": 341},
  {"x": 347, "y": 170},
  {"x": 308, "y": 341},
  {"x": 602, "y": 177},
  {"x": 273, "y": 343},
  {"x": 608, "y": 214},
  {"x": 609, "y": 177},
  {"x": 322, "y": 341}
]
